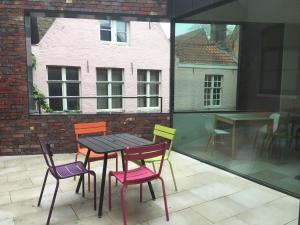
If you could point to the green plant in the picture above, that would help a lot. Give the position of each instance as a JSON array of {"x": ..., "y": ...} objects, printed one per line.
[
  {"x": 40, "y": 98},
  {"x": 33, "y": 64}
]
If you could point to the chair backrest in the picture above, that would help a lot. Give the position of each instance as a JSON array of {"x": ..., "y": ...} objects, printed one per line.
[
  {"x": 143, "y": 153},
  {"x": 47, "y": 153},
  {"x": 166, "y": 133},
  {"x": 276, "y": 118},
  {"x": 90, "y": 128}
]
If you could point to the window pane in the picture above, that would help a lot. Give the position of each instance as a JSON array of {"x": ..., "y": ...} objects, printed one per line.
[
  {"x": 141, "y": 89},
  {"x": 116, "y": 103},
  {"x": 102, "y": 103},
  {"x": 102, "y": 89},
  {"x": 121, "y": 26},
  {"x": 105, "y": 35},
  {"x": 73, "y": 104},
  {"x": 121, "y": 37},
  {"x": 154, "y": 75},
  {"x": 142, "y": 102},
  {"x": 116, "y": 89},
  {"x": 116, "y": 74},
  {"x": 56, "y": 104},
  {"x": 72, "y": 73},
  {"x": 153, "y": 102},
  {"x": 54, "y": 73},
  {"x": 55, "y": 89},
  {"x": 154, "y": 89},
  {"x": 105, "y": 24},
  {"x": 142, "y": 75},
  {"x": 102, "y": 74},
  {"x": 72, "y": 89}
]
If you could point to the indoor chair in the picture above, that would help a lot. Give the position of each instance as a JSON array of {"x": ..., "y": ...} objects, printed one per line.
[
  {"x": 141, "y": 174},
  {"x": 62, "y": 172},
  {"x": 95, "y": 128}
]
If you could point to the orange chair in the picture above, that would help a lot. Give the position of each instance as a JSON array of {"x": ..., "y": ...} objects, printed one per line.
[{"x": 87, "y": 129}]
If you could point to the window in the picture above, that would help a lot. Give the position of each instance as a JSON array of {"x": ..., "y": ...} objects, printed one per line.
[
  {"x": 109, "y": 89},
  {"x": 212, "y": 90},
  {"x": 113, "y": 31},
  {"x": 148, "y": 86},
  {"x": 63, "y": 87}
]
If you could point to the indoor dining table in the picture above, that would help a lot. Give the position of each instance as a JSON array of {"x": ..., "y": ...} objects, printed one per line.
[{"x": 104, "y": 145}]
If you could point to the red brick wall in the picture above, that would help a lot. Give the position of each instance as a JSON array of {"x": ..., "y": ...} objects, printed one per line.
[{"x": 18, "y": 130}]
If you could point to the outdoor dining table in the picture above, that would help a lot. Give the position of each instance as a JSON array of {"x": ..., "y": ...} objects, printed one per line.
[{"x": 104, "y": 145}]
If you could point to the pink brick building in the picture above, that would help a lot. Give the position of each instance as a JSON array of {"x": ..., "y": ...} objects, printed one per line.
[{"x": 106, "y": 59}]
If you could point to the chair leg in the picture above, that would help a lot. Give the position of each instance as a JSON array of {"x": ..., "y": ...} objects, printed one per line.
[
  {"x": 153, "y": 165},
  {"x": 165, "y": 198},
  {"x": 209, "y": 140},
  {"x": 117, "y": 167},
  {"x": 123, "y": 204},
  {"x": 95, "y": 190},
  {"x": 109, "y": 191},
  {"x": 76, "y": 158},
  {"x": 172, "y": 172},
  {"x": 89, "y": 177},
  {"x": 82, "y": 185},
  {"x": 141, "y": 192},
  {"x": 43, "y": 187},
  {"x": 52, "y": 204},
  {"x": 255, "y": 139}
]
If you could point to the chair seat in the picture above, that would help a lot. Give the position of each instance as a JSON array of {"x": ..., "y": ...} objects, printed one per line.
[
  {"x": 218, "y": 131},
  {"x": 70, "y": 170},
  {"x": 94, "y": 156},
  {"x": 137, "y": 175}
]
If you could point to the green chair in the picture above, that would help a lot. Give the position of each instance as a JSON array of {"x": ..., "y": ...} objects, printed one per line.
[{"x": 165, "y": 133}]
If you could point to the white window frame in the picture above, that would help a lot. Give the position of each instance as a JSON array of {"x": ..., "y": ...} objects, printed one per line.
[
  {"x": 212, "y": 88},
  {"x": 109, "y": 91},
  {"x": 64, "y": 83},
  {"x": 113, "y": 30},
  {"x": 148, "y": 82}
]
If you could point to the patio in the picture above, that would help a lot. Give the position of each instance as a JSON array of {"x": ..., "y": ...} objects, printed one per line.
[{"x": 206, "y": 195}]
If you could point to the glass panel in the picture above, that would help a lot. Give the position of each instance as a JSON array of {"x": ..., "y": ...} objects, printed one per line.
[
  {"x": 72, "y": 73},
  {"x": 102, "y": 89},
  {"x": 56, "y": 104},
  {"x": 116, "y": 103},
  {"x": 102, "y": 103},
  {"x": 264, "y": 103},
  {"x": 142, "y": 75},
  {"x": 54, "y": 73},
  {"x": 142, "y": 102},
  {"x": 116, "y": 89},
  {"x": 105, "y": 24},
  {"x": 154, "y": 75},
  {"x": 116, "y": 74},
  {"x": 154, "y": 89},
  {"x": 121, "y": 26},
  {"x": 142, "y": 89},
  {"x": 154, "y": 102},
  {"x": 55, "y": 89},
  {"x": 73, "y": 104},
  {"x": 105, "y": 35},
  {"x": 102, "y": 74},
  {"x": 72, "y": 89},
  {"x": 121, "y": 37}
]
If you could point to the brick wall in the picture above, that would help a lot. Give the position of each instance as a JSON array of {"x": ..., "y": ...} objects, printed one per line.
[{"x": 18, "y": 130}]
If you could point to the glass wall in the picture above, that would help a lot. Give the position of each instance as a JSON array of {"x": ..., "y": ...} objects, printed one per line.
[{"x": 237, "y": 88}]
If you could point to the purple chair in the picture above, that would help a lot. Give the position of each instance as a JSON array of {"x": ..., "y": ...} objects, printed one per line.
[{"x": 62, "y": 172}]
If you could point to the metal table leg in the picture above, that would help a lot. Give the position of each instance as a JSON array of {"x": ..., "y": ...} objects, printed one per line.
[{"x": 102, "y": 185}]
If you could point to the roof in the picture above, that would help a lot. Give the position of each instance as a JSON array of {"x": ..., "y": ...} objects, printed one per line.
[{"x": 195, "y": 48}]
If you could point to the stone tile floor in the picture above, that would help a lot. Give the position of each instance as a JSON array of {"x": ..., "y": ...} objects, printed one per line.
[{"x": 206, "y": 196}]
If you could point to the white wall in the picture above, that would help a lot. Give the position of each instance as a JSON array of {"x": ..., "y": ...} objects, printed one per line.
[
  {"x": 76, "y": 42},
  {"x": 189, "y": 88}
]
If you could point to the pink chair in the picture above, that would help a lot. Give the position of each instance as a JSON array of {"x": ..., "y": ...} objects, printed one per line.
[{"x": 139, "y": 175}]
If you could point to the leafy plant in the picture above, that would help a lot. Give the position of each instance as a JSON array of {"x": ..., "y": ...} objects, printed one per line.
[
  {"x": 40, "y": 98},
  {"x": 33, "y": 64}
]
